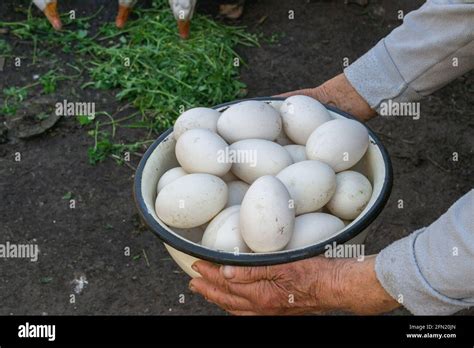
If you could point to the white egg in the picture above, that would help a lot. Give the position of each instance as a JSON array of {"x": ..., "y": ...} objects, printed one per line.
[
  {"x": 237, "y": 190},
  {"x": 266, "y": 216},
  {"x": 193, "y": 234},
  {"x": 170, "y": 176},
  {"x": 314, "y": 228},
  {"x": 253, "y": 158},
  {"x": 311, "y": 184},
  {"x": 191, "y": 200},
  {"x": 301, "y": 115},
  {"x": 196, "y": 118},
  {"x": 223, "y": 232},
  {"x": 340, "y": 143},
  {"x": 202, "y": 151},
  {"x": 297, "y": 152},
  {"x": 249, "y": 120},
  {"x": 353, "y": 192},
  {"x": 229, "y": 176},
  {"x": 282, "y": 139}
]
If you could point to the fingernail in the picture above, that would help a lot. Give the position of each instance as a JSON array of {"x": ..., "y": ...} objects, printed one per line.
[
  {"x": 228, "y": 272},
  {"x": 194, "y": 267},
  {"x": 192, "y": 288}
]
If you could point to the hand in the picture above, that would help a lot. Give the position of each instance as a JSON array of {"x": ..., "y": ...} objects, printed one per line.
[
  {"x": 340, "y": 93},
  {"x": 316, "y": 285}
]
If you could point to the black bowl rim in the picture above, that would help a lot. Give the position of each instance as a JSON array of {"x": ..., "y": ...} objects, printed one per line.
[{"x": 248, "y": 259}]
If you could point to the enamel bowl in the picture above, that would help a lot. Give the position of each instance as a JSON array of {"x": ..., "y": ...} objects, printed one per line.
[{"x": 160, "y": 157}]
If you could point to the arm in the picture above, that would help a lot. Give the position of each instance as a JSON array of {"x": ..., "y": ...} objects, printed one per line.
[
  {"x": 316, "y": 285},
  {"x": 434, "y": 45},
  {"x": 431, "y": 269}
]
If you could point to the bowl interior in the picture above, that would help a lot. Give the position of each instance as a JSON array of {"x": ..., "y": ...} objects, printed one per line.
[{"x": 162, "y": 158}]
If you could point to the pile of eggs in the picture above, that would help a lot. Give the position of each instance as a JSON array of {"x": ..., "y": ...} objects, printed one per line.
[{"x": 257, "y": 179}]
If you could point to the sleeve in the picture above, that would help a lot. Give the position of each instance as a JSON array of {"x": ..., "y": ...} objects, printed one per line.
[
  {"x": 432, "y": 270},
  {"x": 433, "y": 46}
]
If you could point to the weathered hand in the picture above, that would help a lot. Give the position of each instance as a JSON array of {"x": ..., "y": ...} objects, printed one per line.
[
  {"x": 340, "y": 93},
  {"x": 294, "y": 288},
  {"x": 316, "y": 285}
]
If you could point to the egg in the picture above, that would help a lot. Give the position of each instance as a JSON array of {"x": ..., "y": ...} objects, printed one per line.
[
  {"x": 266, "y": 216},
  {"x": 301, "y": 115},
  {"x": 297, "y": 152},
  {"x": 202, "y": 151},
  {"x": 340, "y": 143},
  {"x": 353, "y": 192},
  {"x": 313, "y": 228},
  {"x": 282, "y": 139},
  {"x": 196, "y": 118},
  {"x": 311, "y": 184},
  {"x": 249, "y": 120},
  {"x": 169, "y": 176},
  {"x": 236, "y": 190},
  {"x": 223, "y": 232},
  {"x": 229, "y": 176},
  {"x": 253, "y": 158},
  {"x": 193, "y": 234},
  {"x": 191, "y": 200}
]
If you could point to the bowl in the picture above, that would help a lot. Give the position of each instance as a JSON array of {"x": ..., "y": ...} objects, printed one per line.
[{"x": 160, "y": 157}]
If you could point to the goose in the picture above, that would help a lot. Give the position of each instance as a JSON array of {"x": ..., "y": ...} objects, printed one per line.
[
  {"x": 183, "y": 11},
  {"x": 125, "y": 8},
  {"x": 50, "y": 10}
]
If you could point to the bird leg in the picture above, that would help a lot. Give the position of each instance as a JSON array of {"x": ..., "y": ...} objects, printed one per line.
[
  {"x": 184, "y": 28},
  {"x": 51, "y": 13},
  {"x": 122, "y": 17}
]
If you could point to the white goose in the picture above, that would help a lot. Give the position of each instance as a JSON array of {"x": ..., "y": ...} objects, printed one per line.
[
  {"x": 183, "y": 11},
  {"x": 50, "y": 10}
]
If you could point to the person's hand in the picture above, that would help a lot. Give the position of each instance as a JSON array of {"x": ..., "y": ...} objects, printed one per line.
[
  {"x": 340, "y": 93},
  {"x": 316, "y": 285}
]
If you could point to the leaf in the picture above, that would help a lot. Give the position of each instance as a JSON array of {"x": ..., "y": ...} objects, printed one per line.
[
  {"x": 68, "y": 195},
  {"x": 84, "y": 120},
  {"x": 81, "y": 34},
  {"x": 46, "y": 280}
]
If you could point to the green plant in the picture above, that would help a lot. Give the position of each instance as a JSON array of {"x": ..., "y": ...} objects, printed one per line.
[
  {"x": 148, "y": 64},
  {"x": 4, "y": 47}
]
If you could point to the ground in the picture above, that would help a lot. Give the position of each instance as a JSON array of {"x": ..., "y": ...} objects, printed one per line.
[{"x": 89, "y": 240}]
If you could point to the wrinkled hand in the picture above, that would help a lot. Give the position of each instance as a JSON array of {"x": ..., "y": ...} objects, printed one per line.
[
  {"x": 340, "y": 93},
  {"x": 294, "y": 288},
  {"x": 316, "y": 285}
]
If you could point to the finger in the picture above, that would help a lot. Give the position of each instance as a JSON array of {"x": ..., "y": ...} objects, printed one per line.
[
  {"x": 214, "y": 294},
  {"x": 246, "y": 275},
  {"x": 211, "y": 273}
]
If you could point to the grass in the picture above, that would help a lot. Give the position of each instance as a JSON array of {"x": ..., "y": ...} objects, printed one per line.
[{"x": 148, "y": 65}]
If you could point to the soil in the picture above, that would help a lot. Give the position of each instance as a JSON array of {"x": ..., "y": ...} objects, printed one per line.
[{"x": 90, "y": 240}]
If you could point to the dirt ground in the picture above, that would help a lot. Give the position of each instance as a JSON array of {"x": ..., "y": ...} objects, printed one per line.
[{"x": 89, "y": 240}]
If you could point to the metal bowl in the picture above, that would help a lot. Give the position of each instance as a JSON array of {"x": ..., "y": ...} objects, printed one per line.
[{"x": 160, "y": 157}]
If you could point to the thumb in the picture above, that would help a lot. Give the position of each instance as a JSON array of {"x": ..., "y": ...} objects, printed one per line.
[{"x": 246, "y": 274}]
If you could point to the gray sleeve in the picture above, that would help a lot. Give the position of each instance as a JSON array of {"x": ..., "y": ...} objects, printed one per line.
[
  {"x": 432, "y": 270},
  {"x": 433, "y": 46}
]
